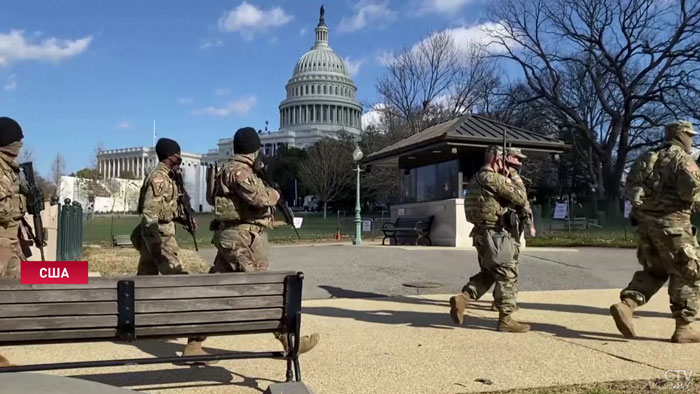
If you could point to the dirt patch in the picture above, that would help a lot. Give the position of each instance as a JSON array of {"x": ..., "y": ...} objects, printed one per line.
[
  {"x": 124, "y": 261},
  {"x": 624, "y": 387}
]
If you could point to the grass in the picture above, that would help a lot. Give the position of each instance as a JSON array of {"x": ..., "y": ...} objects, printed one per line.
[
  {"x": 598, "y": 238},
  {"x": 124, "y": 261},
  {"x": 314, "y": 228},
  {"x": 624, "y": 387}
]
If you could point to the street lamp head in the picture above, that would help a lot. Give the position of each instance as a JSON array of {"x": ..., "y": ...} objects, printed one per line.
[{"x": 357, "y": 154}]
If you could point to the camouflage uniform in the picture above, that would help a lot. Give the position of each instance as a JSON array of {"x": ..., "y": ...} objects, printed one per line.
[
  {"x": 154, "y": 237},
  {"x": 667, "y": 246},
  {"x": 13, "y": 206},
  {"x": 243, "y": 211},
  {"x": 243, "y": 207},
  {"x": 489, "y": 195}
]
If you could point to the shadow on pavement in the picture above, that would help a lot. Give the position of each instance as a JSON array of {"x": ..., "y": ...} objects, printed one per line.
[{"x": 165, "y": 378}]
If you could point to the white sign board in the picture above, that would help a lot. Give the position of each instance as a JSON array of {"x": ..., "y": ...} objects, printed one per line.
[
  {"x": 628, "y": 208},
  {"x": 366, "y": 225},
  {"x": 298, "y": 222},
  {"x": 560, "y": 210}
]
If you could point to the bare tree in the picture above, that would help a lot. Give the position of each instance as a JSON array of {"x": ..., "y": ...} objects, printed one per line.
[
  {"x": 58, "y": 169},
  {"x": 327, "y": 169},
  {"x": 434, "y": 81},
  {"x": 612, "y": 71}
]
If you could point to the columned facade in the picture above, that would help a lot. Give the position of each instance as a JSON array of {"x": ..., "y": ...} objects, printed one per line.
[{"x": 135, "y": 162}]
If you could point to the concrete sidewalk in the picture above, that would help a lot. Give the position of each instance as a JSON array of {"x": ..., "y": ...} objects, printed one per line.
[{"x": 407, "y": 344}]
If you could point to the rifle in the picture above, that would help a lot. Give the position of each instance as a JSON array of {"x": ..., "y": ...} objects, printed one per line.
[
  {"x": 35, "y": 204},
  {"x": 281, "y": 203},
  {"x": 183, "y": 199}
]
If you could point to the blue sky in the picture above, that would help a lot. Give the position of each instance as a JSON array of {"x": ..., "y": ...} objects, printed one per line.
[{"x": 78, "y": 73}]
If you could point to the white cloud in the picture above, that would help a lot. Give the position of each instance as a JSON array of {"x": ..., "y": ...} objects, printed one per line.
[
  {"x": 15, "y": 47},
  {"x": 481, "y": 35},
  {"x": 249, "y": 19},
  {"x": 373, "y": 116},
  {"x": 302, "y": 31},
  {"x": 237, "y": 107},
  {"x": 385, "y": 58},
  {"x": 368, "y": 12},
  {"x": 222, "y": 91},
  {"x": 11, "y": 82},
  {"x": 353, "y": 66},
  {"x": 185, "y": 100},
  {"x": 207, "y": 44},
  {"x": 442, "y": 6},
  {"x": 124, "y": 125}
]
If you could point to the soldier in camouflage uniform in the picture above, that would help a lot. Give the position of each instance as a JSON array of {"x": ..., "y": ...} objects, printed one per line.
[
  {"x": 489, "y": 196},
  {"x": 12, "y": 203},
  {"x": 154, "y": 236},
  {"x": 667, "y": 246},
  {"x": 243, "y": 206},
  {"x": 514, "y": 157}
]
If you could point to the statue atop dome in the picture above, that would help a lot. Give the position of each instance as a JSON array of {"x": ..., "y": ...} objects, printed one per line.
[{"x": 321, "y": 20}]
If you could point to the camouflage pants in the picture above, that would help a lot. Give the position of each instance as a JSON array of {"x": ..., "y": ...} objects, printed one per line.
[
  {"x": 11, "y": 254},
  {"x": 667, "y": 253},
  {"x": 168, "y": 262},
  {"x": 497, "y": 267},
  {"x": 240, "y": 249}
]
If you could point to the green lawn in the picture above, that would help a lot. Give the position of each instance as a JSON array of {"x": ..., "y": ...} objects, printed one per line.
[{"x": 314, "y": 228}]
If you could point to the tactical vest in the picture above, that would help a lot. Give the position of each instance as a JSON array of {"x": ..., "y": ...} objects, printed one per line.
[
  {"x": 14, "y": 204},
  {"x": 661, "y": 193},
  {"x": 167, "y": 209},
  {"x": 230, "y": 207},
  {"x": 481, "y": 207}
]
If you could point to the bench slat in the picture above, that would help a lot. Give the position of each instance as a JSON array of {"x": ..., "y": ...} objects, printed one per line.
[
  {"x": 210, "y": 279},
  {"x": 96, "y": 333},
  {"x": 202, "y": 329},
  {"x": 58, "y": 309},
  {"x": 153, "y": 319},
  {"x": 49, "y": 323},
  {"x": 38, "y": 296},
  {"x": 157, "y": 293},
  {"x": 208, "y": 304},
  {"x": 8, "y": 284}
]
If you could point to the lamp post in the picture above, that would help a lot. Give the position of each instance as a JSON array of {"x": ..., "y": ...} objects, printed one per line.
[{"x": 357, "y": 156}]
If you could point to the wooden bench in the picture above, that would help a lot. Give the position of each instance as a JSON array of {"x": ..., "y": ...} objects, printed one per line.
[
  {"x": 416, "y": 229},
  {"x": 130, "y": 309},
  {"x": 121, "y": 240}
]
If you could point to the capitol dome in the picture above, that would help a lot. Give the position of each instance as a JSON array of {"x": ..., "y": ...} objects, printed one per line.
[{"x": 321, "y": 93}]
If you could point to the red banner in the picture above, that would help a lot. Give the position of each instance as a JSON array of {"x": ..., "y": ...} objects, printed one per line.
[{"x": 54, "y": 273}]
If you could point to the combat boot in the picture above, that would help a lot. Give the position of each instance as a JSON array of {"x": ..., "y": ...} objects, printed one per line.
[
  {"x": 685, "y": 333},
  {"x": 458, "y": 304},
  {"x": 194, "y": 348},
  {"x": 507, "y": 324},
  {"x": 307, "y": 343},
  {"x": 622, "y": 313}
]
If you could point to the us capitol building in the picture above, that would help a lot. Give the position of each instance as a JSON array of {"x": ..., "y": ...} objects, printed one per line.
[{"x": 320, "y": 102}]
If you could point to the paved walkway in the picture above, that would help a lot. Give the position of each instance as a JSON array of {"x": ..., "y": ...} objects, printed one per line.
[
  {"x": 407, "y": 344},
  {"x": 370, "y": 271}
]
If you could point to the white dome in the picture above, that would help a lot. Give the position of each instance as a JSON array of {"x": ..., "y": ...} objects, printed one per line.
[
  {"x": 321, "y": 59},
  {"x": 321, "y": 94}
]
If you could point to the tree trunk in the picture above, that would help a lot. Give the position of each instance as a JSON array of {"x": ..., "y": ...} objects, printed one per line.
[{"x": 325, "y": 209}]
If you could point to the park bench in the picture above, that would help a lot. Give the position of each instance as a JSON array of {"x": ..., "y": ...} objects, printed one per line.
[
  {"x": 121, "y": 240},
  {"x": 130, "y": 309},
  {"x": 416, "y": 229}
]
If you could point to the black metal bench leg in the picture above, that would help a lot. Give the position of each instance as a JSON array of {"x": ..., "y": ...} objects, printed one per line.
[
  {"x": 297, "y": 343},
  {"x": 290, "y": 351}
]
